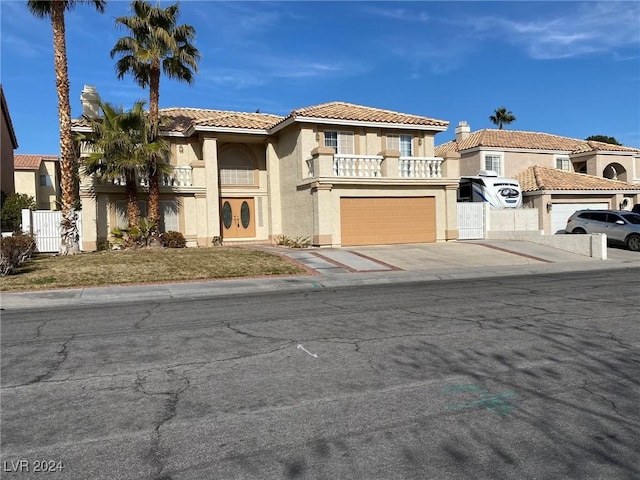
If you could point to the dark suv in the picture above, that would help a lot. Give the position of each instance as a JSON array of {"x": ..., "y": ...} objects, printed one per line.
[{"x": 620, "y": 226}]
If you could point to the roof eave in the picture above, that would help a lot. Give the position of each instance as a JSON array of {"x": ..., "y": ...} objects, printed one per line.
[
  {"x": 578, "y": 192},
  {"x": 357, "y": 123},
  {"x": 251, "y": 131}
]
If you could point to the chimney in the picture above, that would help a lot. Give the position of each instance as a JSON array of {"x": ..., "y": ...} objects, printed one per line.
[
  {"x": 90, "y": 99},
  {"x": 462, "y": 131}
]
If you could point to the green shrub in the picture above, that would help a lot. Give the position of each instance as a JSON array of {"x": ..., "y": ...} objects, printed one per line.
[
  {"x": 14, "y": 251},
  {"x": 173, "y": 239},
  {"x": 11, "y": 213}
]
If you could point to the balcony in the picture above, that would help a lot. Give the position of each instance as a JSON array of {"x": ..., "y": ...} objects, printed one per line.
[
  {"x": 420, "y": 167},
  {"x": 178, "y": 177},
  {"x": 389, "y": 165},
  {"x": 357, "y": 165}
]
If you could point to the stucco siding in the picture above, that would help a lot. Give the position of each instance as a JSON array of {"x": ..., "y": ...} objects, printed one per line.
[{"x": 297, "y": 204}]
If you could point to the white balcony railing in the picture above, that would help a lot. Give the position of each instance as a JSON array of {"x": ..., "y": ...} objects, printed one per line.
[
  {"x": 357, "y": 165},
  {"x": 420, "y": 167},
  {"x": 178, "y": 177}
]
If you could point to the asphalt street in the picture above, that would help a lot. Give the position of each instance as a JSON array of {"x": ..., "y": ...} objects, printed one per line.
[{"x": 523, "y": 377}]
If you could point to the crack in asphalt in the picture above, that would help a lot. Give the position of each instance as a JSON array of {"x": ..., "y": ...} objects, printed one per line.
[
  {"x": 606, "y": 399},
  {"x": 146, "y": 316},
  {"x": 64, "y": 353},
  {"x": 40, "y": 327},
  {"x": 156, "y": 454}
]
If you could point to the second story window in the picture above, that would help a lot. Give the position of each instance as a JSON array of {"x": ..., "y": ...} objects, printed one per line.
[
  {"x": 45, "y": 181},
  {"x": 493, "y": 162},
  {"x": 562, "y": 163},
  {"x": 402, "y": 143},
  {"x": 236, "y": 168},
  {"x": 341, "y": 142}
]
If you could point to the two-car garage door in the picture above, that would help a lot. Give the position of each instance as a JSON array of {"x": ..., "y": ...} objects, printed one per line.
[{"x": 387, "y": 220}]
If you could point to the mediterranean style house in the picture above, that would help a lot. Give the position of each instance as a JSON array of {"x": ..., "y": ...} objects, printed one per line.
[
  {"x": 338, "y": 174},
  {"x": 39, "y": 177},
  {"x": 558, "y": 175},
  {"x": 509, "y": 152}
]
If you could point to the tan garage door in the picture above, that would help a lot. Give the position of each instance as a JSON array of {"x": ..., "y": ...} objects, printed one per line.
[{"x": 385, "y": 220}]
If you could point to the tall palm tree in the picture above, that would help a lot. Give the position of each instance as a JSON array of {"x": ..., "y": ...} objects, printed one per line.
[
  {"x": 502, "y": 117},
  {"x": 121, "y": 149},
  {"x": 54, "y": 10},
  {"x": 155, "y": 45}
]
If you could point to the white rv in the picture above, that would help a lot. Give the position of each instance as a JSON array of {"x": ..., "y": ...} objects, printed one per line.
[{"x": 498, "y": 192}]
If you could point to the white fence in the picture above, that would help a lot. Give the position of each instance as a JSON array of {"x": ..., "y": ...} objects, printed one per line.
[
  {"x": 471, "y": 220},
  {"x": 45, "y": 225},
  {"x": 475, "y": 219}
]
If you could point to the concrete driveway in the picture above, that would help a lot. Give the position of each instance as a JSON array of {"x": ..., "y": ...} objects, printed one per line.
[
  {"x": 462, "y": 254},
  {"x": 457, "y": 256}
]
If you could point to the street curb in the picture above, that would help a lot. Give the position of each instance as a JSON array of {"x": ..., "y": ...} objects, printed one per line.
[{"x": 218, "y": 288}]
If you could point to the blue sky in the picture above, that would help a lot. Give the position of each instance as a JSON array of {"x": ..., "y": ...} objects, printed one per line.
[{"x": 566, "y": 68}]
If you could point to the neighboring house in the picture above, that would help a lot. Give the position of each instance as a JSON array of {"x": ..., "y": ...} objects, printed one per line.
[
  {"x": 8, "y": 143},
  {"x": 509, "y": 152},
  {"x": 336, "y": 173},
  {"x": 557, "y": 194},
  {"x": 38, "y": 176}
]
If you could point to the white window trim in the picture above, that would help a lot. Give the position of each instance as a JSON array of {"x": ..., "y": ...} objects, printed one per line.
[
  {"x": 340, "y": 136},
  {"x": 173, "y": 208},
  {"x": 563, "y": 158},
  {"x": 399, "y": 138},
  {"x": 500, "y": 155}
]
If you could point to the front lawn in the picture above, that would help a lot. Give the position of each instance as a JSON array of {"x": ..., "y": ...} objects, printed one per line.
[{"x": 145, "y": 266}]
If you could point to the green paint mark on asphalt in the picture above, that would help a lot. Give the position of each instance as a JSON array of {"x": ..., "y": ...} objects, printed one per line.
[{"x": 495, "y": 402}]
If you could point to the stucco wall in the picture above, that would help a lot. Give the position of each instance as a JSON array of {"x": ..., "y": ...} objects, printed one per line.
[
  {"x": 25, "y": 182},
  {"x": 48, "y": 195},
  {"x": 294, "y": 148},
  {"x": 7, "y": 183}
]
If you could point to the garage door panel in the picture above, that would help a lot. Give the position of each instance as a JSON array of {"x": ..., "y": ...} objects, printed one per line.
[
  {"x": 387, "y": 220},
  {"x": 562, "y": 211}
]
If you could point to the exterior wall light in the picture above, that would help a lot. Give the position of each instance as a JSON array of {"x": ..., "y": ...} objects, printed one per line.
[
  {"x": 181, "y": 149},
  {"x": 549, "y": 207}
]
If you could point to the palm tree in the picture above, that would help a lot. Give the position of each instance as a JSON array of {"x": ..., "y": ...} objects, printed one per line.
[
  {"x": 155, "y": 45},
  {"x": 121, "y": 149},
  {"x": 54, "y": 10},
  {"x": 502, "y": 117}
]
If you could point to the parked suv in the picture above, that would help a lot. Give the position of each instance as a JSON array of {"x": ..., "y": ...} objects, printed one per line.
[{"x": 620, "y": 226}]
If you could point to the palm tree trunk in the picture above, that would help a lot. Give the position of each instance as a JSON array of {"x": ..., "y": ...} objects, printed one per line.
[
  {"x": 69, "y": 227},
  {"x": 133, "y": 212},
  {"x": 154, "y": 176}
]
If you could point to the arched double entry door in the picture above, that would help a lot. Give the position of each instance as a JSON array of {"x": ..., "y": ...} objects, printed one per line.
[{"x": 237, "y": 218}]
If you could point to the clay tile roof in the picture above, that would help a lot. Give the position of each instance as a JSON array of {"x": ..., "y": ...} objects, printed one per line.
[
  {"x": 445, "y": 148},
  {"x": 535, "y": 141},
  {"x": 547, "y": 178},
  {"x": 31, "y": 162},
  {"x": 180, "y": 119},
  {"x": 350, "y": 112}
]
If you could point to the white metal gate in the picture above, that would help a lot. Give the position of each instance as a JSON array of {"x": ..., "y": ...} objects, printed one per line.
[
  {"x": 45, "y": 225},
  {"x": 471, "y": 220}
]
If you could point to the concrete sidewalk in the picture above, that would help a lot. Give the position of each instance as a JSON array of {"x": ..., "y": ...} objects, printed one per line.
[{"x": 345, "y": 267}]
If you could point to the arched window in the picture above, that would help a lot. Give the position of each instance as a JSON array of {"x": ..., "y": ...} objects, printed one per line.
[{"x": 236, "y": 168}]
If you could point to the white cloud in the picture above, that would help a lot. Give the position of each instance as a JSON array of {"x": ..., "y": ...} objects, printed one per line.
[
  {"x": 593, "y": 27},
  {"x": 398, "y": 14}
]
